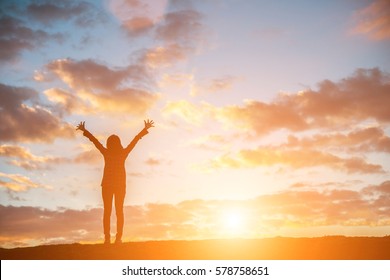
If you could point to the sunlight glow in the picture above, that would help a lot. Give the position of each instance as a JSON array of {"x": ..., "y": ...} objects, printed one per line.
[{"x": 233, "y": 220}]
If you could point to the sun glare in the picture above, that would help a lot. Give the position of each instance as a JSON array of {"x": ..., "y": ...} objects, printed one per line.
[{"x": 233, "y": 221}]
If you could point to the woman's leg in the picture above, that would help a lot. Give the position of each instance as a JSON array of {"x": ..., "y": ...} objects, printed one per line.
[
  {"x": 107, "y": 195},
  {"x": 119, "y": 200}
]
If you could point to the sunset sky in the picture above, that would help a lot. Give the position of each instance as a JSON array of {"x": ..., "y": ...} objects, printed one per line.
[{"x": 272, "y": 118}]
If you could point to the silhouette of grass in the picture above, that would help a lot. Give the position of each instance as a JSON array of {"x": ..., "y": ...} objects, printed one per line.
[{"x": 278, "y": 248}]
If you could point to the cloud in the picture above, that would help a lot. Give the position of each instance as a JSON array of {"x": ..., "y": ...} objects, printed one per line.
[
  {"x": 23, "y": 158},
  {"x": 138, "y": 17},
  {"x": 269, "y": 214},
  {"x": 89, "y": 74},
  {"x": 254, "y": 117},
  {"x": 183, "y": 26},
  {"x": 355, "y": 99},
  {"x": 66, "y": 102},
  {"x": 374, "y": 20},
  {"x": 187, "y": 111},
  {"x": 223, "y": 83},
  {"x": 370, "y": 139},
  {"x": 180, "y": 25},
  {"x": 16, "y": 37},
  {"x": 334, "y": 105},
  {"x": 177, "y": 80},
  {"x": 178, "y": 33},
  {"x": 89, "y": 157},
  {"x": 82, "y": 13},
  {"x": 18, "y": 182},
  {"x": 345, "y": 107},
  {"x": 166, "y": 56},
  {"x": 23, "y": 119},
  {"x": 101, "y": 88},
  {"x": 153, "y": 161},
  {"x": 157, "y": 160},
  {"x": 330, "y": 184},
  {"x": 138, "y": 25},
  {"x": 301, "y": 158},
  {"x": 214, "y": 142},
  {"x": 261, "y": 118},
  {"x": 30, "y": 225}
]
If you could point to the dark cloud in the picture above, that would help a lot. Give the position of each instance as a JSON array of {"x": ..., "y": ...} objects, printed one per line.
[
  {"x": 84, "y": 14},
  {"x": 23, "y": 119},
  {"x": 16, "y": 36}
]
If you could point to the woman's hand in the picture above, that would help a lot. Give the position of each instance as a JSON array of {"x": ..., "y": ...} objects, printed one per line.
[
  {"x": 149, "y": 124},
  {"x": 81, "y": 126}
]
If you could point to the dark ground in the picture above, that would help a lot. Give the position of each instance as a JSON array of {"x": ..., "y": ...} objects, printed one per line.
[{"x": 278, "y": 248}]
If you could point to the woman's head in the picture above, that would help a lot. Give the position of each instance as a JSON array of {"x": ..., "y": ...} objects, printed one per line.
[{"x": 114, "y": 143}]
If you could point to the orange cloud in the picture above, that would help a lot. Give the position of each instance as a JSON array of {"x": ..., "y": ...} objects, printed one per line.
[
  {"x": 23, "y": 119},
  {"x": 335, "y": 105},
  {"x": 371, "y": 139},
  {"x": 262, "y": 118},
  {"x": 138, "y": 25},
  {"x": 302, "y": 158},
  {"x": 138, "y": 16},
  {"x": 269, "y": 214},
  {"x": 178, "y": 33},
  {"x": 361, "y": 97},
  {"x": 153, "y": 161},
  {"x": 214, "y": 85},
  {"x": 166, "y": 56},
  {"x": 176, "y": 80},
  {"x": 66, "y": 102},
  {"x": 88, "y": 74},
  {"x": 340, "y": 106},
  {"x": 374, "y": 20},
  {"x": 17, "y": 182},
  {"x": 89, "y": 157},
  {"x": 191, "y": 113},
  {"x": 101, "y": 88},
  {"x": 22, "y": 157},
  {"x": 178, "y": 26}
]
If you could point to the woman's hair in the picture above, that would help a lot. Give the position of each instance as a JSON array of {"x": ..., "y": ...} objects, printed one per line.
[{"x": 114, "y": 143}]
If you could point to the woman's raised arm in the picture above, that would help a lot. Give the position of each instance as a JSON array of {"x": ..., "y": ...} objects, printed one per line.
[{"x": 86, "y": 133}]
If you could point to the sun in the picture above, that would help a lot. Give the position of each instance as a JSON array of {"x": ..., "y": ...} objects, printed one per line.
[{"x": 233, "y": 221}]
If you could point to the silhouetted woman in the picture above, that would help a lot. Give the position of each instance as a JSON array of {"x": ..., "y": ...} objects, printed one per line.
[{"x": 114, "y": 176}]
